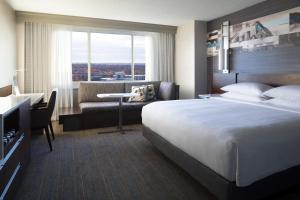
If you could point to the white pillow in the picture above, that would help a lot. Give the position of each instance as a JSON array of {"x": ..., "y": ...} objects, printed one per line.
[
  {"x": 242, "y": 97},
  {"x": 289, "y": 92},
  {"x": 247, "y": 88},
  {"x": 283, "y": 103}
]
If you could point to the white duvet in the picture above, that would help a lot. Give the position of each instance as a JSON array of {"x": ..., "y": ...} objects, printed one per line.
[{"x": 242, "y": 142}]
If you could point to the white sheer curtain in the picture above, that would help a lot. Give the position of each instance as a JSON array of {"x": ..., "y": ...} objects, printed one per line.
[
  {"x": 61, "y": 67},
  {"x": 38, "y": 48},
  {"x": 48, "y": 62},
  {"x": 160, "y": 57}
]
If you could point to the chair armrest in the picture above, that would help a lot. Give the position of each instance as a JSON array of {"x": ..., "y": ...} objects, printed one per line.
[
  {"x": 38, "y": 108},
  {"x": 38, "y": 105}
]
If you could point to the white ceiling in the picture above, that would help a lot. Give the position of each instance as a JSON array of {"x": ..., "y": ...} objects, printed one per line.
[{"x": 167, "y": 12}]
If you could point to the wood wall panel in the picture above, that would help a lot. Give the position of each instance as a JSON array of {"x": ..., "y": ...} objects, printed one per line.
[
  {"x": 5, "y": 91},
  {"x": 220, "y": 80},
  {"x": 259, "y": 10},
  {"x": 275, "y": 63},
  {"x": 270, "y": 79},
  {"x": 271, "y": 61}
]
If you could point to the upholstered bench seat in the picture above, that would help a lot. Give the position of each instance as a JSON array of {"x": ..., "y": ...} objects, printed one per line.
[
  {"x": 135, "y": 105},
  {"x": 86, "y": 107},
  {"x": 95, "y": 112},
  {"x": 108, "y": 106}
]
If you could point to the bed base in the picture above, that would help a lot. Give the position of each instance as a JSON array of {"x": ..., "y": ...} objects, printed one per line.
[{"x": 216, "y": 184}]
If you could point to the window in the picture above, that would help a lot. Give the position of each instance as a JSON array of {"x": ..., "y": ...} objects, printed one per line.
[
  {"x": 139, "y": 57},
  {"x": 79, "y": 56},
  {"x": 111, "y": 57},
  {"x": 107, "y": 57}
]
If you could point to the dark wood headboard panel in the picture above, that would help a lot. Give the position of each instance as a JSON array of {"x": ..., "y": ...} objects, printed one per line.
[
  {"x": 6, "y": 91},
  {"x": 270, "y": 79},
  {"x": 275, "y": 63},
  {"x": 219, "y": 80}
]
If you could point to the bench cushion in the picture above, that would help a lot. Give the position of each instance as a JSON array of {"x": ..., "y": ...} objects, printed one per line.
[
  {"x": 88, "y": 91},
  {"x": 86, "y": 107},
  {"x": 98, "y": 106},
  {"x": 135, "y": 105}
]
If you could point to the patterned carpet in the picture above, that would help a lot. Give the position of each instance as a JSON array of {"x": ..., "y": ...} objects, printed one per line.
[{"x": 86, "y": 165}]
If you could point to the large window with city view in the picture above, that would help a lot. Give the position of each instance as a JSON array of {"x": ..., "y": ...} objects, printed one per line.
[{"x": 107, "y": 57}]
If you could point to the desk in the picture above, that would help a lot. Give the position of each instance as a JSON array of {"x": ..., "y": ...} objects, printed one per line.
[
  {"x": 120, "y": 96},
  {"x": 15, "y": 151},
  {"x": 34, "y": 97}
]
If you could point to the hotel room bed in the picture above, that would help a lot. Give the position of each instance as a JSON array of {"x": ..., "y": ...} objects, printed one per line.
[{"x": 233, "y": 148}]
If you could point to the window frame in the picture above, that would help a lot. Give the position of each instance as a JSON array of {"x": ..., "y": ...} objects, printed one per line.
[{"x": 89, "y": 59}]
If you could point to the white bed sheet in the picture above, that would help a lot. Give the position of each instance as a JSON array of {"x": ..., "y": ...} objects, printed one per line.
[{"x": 243, "y": 142}]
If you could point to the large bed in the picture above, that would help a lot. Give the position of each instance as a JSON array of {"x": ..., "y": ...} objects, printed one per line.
[{"x": 236, "y": 149}]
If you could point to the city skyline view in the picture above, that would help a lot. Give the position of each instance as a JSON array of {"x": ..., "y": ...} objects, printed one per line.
[
  {"x": 110, "y": 56},
  {"x": 107, "y": 71}
]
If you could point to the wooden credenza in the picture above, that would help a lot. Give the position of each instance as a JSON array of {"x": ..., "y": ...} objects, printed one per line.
[{"x": 14, "y": 143}]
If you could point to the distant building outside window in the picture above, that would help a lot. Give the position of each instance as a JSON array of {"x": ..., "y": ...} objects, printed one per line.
[
  {"x": 139, "y": 45},
  {"x": 108, "y": 57},
  {"x": 79, "y": 56}
]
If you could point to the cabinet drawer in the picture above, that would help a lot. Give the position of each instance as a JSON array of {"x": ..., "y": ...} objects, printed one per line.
[
  {"x": 10, "y": 162},
  {"x": 10, "y": 187}
]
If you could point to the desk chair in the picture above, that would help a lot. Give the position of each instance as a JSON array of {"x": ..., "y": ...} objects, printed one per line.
[{"x": 41, "y": 117}]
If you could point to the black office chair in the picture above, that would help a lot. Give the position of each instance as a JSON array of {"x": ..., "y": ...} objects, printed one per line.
[
  {"x": 41, "y": 117},
  {"x": 44, "y": 104}
]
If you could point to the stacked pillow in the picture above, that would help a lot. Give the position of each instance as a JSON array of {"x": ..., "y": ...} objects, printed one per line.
[
  {"x": 247, "y": 91},
  {"x": 145, "y": 93},
  {"x": 286, "y": 96},
  {"x": 151, "y": 93},
  {"x": 141, "y": 91}
]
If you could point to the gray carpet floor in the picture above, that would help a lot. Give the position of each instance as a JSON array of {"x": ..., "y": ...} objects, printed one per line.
[{"x": 85, "y": 165}]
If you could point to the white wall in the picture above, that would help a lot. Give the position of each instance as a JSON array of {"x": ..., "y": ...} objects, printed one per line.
[
  {"x": 21, "y": 56},
  {"x": 7, "y": 44},
  {"x": 190, "y": 59},
  {"x": 185, "y": 60}
]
